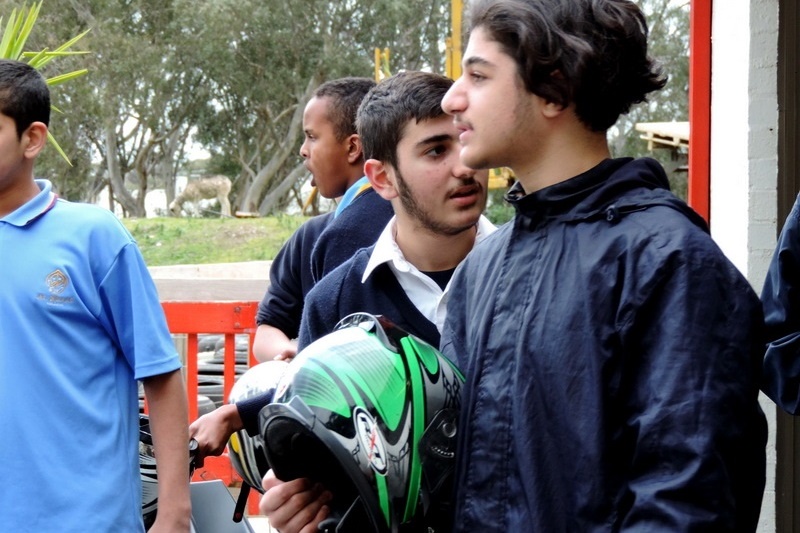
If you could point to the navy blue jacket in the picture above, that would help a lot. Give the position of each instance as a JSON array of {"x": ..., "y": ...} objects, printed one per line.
[
  {"x": 356, "y": 227},
  {"x": 612, "y": 356},
  {"x": 341, "y": 293},
  {"x": 290, "y": 278},
  {"x": 781, "y": 300}
]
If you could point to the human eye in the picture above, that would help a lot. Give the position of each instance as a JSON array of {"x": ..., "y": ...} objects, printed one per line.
[
  {"x": 436, "y": 151},
  {"x": 476, "y": 76}
]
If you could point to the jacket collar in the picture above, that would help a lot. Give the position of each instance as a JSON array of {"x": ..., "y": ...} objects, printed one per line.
[{"x": 610, "y": 190}]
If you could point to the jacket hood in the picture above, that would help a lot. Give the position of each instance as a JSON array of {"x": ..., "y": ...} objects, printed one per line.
[{"x": 611, "y": 190}]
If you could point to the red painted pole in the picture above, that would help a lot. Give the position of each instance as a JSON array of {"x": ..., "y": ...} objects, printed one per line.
[{"x": 700, "y": 108}]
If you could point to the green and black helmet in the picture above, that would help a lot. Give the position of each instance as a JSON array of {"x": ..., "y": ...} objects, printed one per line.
[{"x": 370, "y": 412}]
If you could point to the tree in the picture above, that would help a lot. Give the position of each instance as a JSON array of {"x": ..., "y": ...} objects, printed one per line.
[
  {"x": 234, "y": 76},
  {"x": 289, "y": 48},
  {"x": 236, "y": 73},
  {"x": 668, "y": 21}
]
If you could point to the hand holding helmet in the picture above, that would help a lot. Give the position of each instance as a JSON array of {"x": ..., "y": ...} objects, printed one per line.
[{"x": 369, "y": 412}]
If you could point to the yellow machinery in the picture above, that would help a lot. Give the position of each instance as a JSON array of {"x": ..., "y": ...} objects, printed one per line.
[
  {"x": 452, "y": 60},
  {"x": 382, "y": 70}
]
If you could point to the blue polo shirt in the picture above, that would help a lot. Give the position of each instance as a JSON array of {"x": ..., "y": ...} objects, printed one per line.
[{"x": 80, "y": 322}]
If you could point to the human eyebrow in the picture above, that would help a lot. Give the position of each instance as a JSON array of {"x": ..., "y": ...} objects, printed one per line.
[
  {"x": 434, "y": 139},
  {"x": 477, "y": 60}
]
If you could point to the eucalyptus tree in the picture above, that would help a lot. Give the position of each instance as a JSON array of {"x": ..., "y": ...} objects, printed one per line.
[
  {"x": 236, "y": 75},
  {"x": 129, "y": 122},
  {"x": 668, "y": 21},
  {"x": 149, "y": 89},
  {"x": 268, "y": 56}
]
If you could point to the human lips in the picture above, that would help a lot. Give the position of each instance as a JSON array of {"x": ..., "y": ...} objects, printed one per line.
[
  {"x": 466, "y": 194},
  {"x": 310, "y": 171},
  {"x": 463, "y": 130}
]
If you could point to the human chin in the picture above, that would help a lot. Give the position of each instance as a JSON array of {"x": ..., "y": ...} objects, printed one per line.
[{"x": 472, "y": 157}]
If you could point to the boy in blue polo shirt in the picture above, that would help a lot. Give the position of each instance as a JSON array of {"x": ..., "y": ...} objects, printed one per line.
[{"x": 80, "y": 323}]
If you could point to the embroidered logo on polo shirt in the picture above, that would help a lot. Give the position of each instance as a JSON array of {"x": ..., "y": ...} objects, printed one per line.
[{"x": 57, "y": 282}]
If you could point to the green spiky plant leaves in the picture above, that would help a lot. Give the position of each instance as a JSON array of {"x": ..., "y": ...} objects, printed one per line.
[{"x": 12, "y": 46}]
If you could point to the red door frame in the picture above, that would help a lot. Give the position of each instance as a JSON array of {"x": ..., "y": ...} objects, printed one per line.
[{"x": 700, "y": 107}]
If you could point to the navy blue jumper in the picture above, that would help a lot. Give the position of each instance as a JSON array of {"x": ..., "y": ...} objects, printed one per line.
[
  {"x": 341, "y": 293},
  {"x": 323, "y": 241}
]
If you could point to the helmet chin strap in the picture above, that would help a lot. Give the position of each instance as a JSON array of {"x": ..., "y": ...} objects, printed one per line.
[{"x": 241, "y": 502}]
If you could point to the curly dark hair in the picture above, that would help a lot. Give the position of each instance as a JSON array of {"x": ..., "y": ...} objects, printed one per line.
[
  {"x": 592, "y": 53},
  {"x": 346, "y": 95}
]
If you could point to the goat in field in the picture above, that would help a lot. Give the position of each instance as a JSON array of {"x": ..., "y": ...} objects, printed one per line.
[{"x": 204, "y": 188}]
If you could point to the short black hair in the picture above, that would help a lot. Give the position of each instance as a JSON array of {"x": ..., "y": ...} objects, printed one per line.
[
  {"x": 592, "y": 53},
  {"x": 24, "y": 95},
  {"x": 395, "y": 101},
  {"x": 346, "y": 95}
]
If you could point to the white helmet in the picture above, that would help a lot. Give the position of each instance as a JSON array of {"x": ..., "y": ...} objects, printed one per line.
[{"x": 247, "y": 452}]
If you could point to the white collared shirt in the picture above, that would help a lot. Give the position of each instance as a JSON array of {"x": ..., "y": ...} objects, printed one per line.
[{"x": 424, "y": 293}]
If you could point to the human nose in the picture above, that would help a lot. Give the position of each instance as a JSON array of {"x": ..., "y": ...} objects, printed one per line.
[
  {"x": 304, "y": 149},
  {"x": 453, "y": 101}
]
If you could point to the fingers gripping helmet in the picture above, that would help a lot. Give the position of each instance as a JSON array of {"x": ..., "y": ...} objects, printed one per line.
[
  {"x": 247, "y": 452},
  {"x": 370, "y": 412},
  {"x": 147, "y": 471}
]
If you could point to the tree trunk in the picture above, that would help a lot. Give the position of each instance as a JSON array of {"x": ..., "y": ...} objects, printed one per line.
[
  {"x": 117, "y": 188},
  {"x": 267, "y": 173},
  {"x": 275, "y": 195}
]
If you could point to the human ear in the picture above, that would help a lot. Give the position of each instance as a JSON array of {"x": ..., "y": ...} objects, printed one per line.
[
  {"x": 378, "y": 175},
  {"x": 354, "y": 149},
  {"x": 34, "y": 139},
  {"x": 552, "y": 109}
]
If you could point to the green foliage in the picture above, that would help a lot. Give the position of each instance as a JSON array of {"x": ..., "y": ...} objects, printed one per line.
[
  {"x": 498, "y": 211},
  {"x": 668, "y": 21},
  {"x": 178, "y": 241},
  {"x": 12, "y": 46},
  {"x": 230, "y": 74}
]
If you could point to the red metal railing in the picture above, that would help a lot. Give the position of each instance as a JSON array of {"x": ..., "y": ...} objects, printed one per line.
[{"x": 229, "y": 319}]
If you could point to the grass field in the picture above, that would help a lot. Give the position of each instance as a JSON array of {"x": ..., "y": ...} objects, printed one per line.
[
  {"x": 190, "y": 241},
  {"x": 184, "y": 241}
]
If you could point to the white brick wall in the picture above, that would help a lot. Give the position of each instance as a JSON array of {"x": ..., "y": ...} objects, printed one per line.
[{"x": 744, "y": 157}]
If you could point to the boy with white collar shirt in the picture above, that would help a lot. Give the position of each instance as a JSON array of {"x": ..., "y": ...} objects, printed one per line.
[
  {"x": 412, "y": 153},
  {"x": 411, "y": 149}
]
